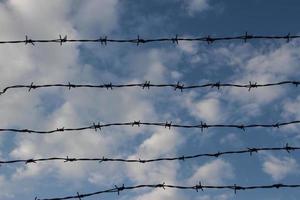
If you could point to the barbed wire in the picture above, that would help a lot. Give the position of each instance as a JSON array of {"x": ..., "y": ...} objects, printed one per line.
[
  {"x": 197, "y": 187},
  {"x": 105, "y": 40},
  {"x": 178, "y": 86},
  {"x": 249, "y": 150},
  {"x": 202, "y": 126}
]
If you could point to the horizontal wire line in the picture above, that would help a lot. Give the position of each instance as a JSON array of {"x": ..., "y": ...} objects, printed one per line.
[
  {"x": 167, "y": 124},
  {"x": 197, "y": 187},
  {"x": 188, "y": 157},
  {"x": 147, "y": 84},
  {"x": 105, "y": 40}
]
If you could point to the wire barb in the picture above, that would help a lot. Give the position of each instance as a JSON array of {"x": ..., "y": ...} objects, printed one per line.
[
  {"x": 62, "y": 39},
  {"x": 179, "y": 86},
  {"x": 103, "y": 41},
  {"x": 28, "y": 41}
]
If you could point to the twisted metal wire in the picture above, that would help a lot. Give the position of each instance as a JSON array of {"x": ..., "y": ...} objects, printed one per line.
[
  {"x": 178, "y": 86},
  {"x": 105, "y": 40},
  {"x": 197, "y": 187},
  {"x": 249, "y": 150},
  {"x": 167, "y": 124}
]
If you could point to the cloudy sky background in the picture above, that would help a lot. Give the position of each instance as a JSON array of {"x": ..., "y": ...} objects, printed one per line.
[{"x": 190, "y": 63}]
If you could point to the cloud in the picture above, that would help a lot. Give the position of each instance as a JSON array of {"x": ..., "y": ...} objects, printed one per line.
[
  {"x": 208, "y": 108},
  {"x": 279, "y": 168},
  {"x": 214, "y": 172},
  {"x": 161, "y": 143},
  {"x": 160, "y": 195},
  {"x": 196, "y": 6},
  {"x": 231, "y": 138},
  {"x": 291, "y": 108},
  {"x": 224, "y": 196},
  {"x": 100, "y": 17}
]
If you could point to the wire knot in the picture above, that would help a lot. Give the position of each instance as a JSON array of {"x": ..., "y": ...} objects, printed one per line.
[
  {"x": 146, "y": 85},
  {"x": 203, "y": 125},
  {"x": 28, "y": 41},
  {"x": 179, "y": 86},
  {"x": 288, "y": 148},
  {"x": 70, "y": 159},
  {"x": 162, "y": 185},
  {"x": 236, "y": 187},
  {"x": 246, "y": 37},
  {"x": 251, "y": 150},
  {"x": 60, "y": 129},
  {"x": 97, "y": 126},
  {"x": 217, "y": 85},
  {"x": 139, "y": 40},
  {"x": 168, "y": 124},
  {"x": 242, "y": 127},
  {"x": 108, "y": 86},
  {"x": 30, "y": 161},
  {"x": 296, "y": 83},
  {"x": 138, "y": 123},
  {"x": 278, "y": 185},
  {"x": 277, "y": 125},
  {"x": 103, "y": 41},
  {"x": 79, "y": 196},
  {"x": 199, "y": 186},
  {"x": 288, "y": 37},
  {"x": 181, "y": 158},
  {"x": 175, "y": 39},
  {"x": 31, "y": 86},
  {"x": 217, "y": 154},
  {"x": 62, "y": 40},
  {"x": 252, "y": 85},
  {"x": 119, "y": 188},
  {"x": 209, "y": 40},
  {"x": 103, "y": 159},
  {"x": 71, "y": 85}
]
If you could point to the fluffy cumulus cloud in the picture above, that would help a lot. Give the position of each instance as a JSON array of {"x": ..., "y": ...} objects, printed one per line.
[
  {"x": 208, "y": 108},
  {"x": 280, "y": 168},
  {"x": 214, "y": 172}
]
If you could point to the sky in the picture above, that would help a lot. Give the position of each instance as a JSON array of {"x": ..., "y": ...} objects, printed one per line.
[{"x": 188, "y": 62}]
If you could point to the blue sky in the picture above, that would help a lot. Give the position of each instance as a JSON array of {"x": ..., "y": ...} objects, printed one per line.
[{"x": 189, "y": 63}]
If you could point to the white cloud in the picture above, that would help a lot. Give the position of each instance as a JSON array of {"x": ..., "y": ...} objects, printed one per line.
[
  {"x": 214, "y": 172},
  {"x": 196, "y": 6},
  {"x": 291, "y": 108},
  {"x": 161, "y": 143},
  {"x": 232, "y": 139},
  {"x": 160, "y": 194},
  {"x": 208, "y": 108},
  {"x": 95, "y": 16},
  {"x": 224, "y": 196},
  {"x": 279, "y": 168}
]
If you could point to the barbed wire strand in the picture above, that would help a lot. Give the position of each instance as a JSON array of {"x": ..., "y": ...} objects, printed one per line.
[
  {"x": 178, "y": 86},
  {"x": 249, "y": 150},
  {"x": 138, "y": 41},
  {"x": 202, "y": 126},
  {"x": 197, "y": 187}
]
